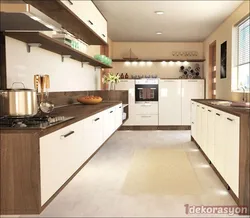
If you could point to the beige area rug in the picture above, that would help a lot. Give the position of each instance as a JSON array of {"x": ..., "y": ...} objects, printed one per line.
[{"x": 161, "y": 172}]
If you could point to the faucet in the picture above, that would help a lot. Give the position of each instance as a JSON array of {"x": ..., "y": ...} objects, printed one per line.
[{"x": 244, "y": 98}]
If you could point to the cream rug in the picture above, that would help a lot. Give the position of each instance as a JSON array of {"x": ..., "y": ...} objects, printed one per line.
[{"x": 161, "y": 172}]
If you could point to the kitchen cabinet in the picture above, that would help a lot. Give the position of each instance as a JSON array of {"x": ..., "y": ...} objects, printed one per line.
[
  {"x": 61, "y": 153},
  {"x": 109, "y": 122},
  {"x": 193, "y": 119},
  {"x": 146, "y": 120},
  {"x": 210, "y": 133},
  {"x": 198, "y": 124},
  {"x": 191, "y": 89},
  {"x": 118, "y": 116},
  {"x": 232, "y": 139},
  {"x": 203, "y": 130},
  {"x": 129, "y": 84},
  {"x": 146, "y": 108},
  {"x": 219, "y": 142},
  {"x": 90, "y": 15},
  {"x": 170, "y": 102}
]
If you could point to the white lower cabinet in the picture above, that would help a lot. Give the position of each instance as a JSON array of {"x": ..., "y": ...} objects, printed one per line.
[
  {"x": 232, "y": 125},
  {"x": 109, "y": 123},
  {"x": 210, "y": 133},
  {"x": 193, "y": 119},
  {"x": 118, "y": 115},
  {"x": 61, "y": 153},
  {"x": 64, "y": 151},
  {"x": 146, "y": 120},
  {"x": 218, "y": 135}
]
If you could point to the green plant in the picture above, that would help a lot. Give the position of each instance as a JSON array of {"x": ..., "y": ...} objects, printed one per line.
[{"x": 111, "y": 78}]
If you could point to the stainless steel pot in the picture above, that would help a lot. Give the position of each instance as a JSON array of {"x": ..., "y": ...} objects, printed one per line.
[{"x": 18, "y": 102}]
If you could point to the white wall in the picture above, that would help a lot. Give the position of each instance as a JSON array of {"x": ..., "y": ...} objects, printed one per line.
[{"x": 65, "y": 76}]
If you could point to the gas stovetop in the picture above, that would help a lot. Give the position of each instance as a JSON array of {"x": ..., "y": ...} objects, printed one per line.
[{"x": 31, "y": 122}]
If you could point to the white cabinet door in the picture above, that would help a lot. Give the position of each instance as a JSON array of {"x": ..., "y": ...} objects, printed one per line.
[
  {"x": 198, "y": 125},
  {"x": 129, "y": 85},
  {"x": 170, "y": 102},
  {"x": 147, "y": 108},
  {"x": 219, "y": 142},
  {"x": 90, "y": 15},
  {"x": 61, "y": 154},
  {"x": 93, "y": 133},
  {"x": 118, "y": 116},
  {"x": 210, "y": 133},
  {"x": 204, "y": 128},
  {"x": 193, "y": 119},
  {"x": 191, "y": 89},
  {"x": 146, "y": 120},
  {"x": 109, "y": 123},
  {"x": 232, "y": 125}
]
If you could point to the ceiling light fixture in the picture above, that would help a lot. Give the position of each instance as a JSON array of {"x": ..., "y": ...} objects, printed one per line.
[
  {"x": 159, "y": 12},
  {"x": 158, "y": 33}
]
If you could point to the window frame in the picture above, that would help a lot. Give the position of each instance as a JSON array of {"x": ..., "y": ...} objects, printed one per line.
[{"x": 239, "y": 88}]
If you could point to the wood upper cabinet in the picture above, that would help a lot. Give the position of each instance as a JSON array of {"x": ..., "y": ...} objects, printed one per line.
[
  {"x": 191, "y": 89},
  {"x": 90, "y": 15},
  {"x": 170, "y": 102}
]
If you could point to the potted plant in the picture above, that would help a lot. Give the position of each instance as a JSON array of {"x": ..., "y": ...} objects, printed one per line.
[{"x": 111, "y": 79}]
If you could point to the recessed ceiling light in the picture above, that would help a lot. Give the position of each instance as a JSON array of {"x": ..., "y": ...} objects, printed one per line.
[
  {"x": 158, "y": 33},
  {"x": 159, "y": 12}
]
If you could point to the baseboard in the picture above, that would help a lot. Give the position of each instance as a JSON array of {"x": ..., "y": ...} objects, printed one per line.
[{"x": 155, "y": 128}]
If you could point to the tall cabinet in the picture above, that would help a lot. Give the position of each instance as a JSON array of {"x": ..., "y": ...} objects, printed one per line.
[{"x": 170, "y": 102}]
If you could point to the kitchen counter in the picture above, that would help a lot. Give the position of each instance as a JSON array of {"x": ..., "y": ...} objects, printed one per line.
[
  {"x": 228, "y": 109},
  {"x": 78, "y": 111}
]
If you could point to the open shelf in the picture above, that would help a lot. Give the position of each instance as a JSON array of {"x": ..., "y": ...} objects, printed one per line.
[
  {"x": 160, "y": 60},
  {"x": 55, "y": 46},
  {"x": 59, "y": 12}
]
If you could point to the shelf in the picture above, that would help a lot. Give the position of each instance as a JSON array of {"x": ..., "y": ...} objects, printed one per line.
[
  {"x": 161, "y": 60},
  {"x": 59, "y": 12},
  {"x": 55, "y": 46}
]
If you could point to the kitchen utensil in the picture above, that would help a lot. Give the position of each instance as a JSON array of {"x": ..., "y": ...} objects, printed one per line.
[
  {"x": 18, "y": 102},
  {"x": 45, "y": 105},
  {"x": 89, "y": 99}
]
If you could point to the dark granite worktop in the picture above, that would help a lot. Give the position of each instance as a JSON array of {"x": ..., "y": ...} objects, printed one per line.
[
  {"x": 228, "y": 109},
  {"x": 78, "y": 111}
]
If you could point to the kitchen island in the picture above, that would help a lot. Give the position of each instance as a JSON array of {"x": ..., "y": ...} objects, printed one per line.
[
  {"x": 223, "y": 135},
  {"x": 36, "y": 164}
]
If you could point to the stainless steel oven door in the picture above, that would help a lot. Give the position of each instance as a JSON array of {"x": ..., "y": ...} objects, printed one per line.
[{"x": 146, "y": 92}]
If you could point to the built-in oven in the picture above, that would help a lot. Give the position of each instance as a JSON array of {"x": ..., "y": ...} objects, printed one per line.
[{"x": 146, "y": 90}]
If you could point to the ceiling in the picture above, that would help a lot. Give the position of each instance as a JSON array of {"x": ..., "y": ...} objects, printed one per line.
[{"x": 181, "y": 21}]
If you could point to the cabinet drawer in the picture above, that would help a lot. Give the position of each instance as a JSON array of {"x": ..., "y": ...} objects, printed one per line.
[
  {"x": 146, "y": 120},
  {"x": 149, "y": 108},
  {"x": 61, "y": 154}
]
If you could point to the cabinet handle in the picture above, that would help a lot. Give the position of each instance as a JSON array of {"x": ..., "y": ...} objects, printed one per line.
[
  {"x": 103, "y": 35},
  {"x": 123, "y": 81},
  {"x": 209, "y": 110},
  {"x": 120, "y": 107},
  {"x": 230, "y": 119},
  {"x": 217, "y": 114},
  {"x": 203, "y": 108},
  {"x": 145, "y": 116},
  {"x": 111, "y": 112},
  {"x": 68, "y": 134},
  {"x": 198, "y": 105},
  {"x": 70, "y": 2},
  {"x": 90, "y": 22},
  {"x": 96, "y": 119},
  {"x": 192, "y": 122},
  {"x": 146, "y": 105}
]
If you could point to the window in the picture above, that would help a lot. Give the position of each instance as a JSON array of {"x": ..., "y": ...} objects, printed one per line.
[{"x": 243, "y": 55}]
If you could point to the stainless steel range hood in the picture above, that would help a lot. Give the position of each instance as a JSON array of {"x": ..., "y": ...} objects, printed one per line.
[{"x": 19, "y": 16}]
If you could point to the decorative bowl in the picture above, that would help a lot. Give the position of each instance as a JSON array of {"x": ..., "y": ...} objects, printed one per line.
[{"x": 90, "y": 99}]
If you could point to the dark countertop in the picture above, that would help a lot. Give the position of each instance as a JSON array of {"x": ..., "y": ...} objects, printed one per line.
[
  {"x": 78, "y": 111},
  {"x": 232, "y": 110}
]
